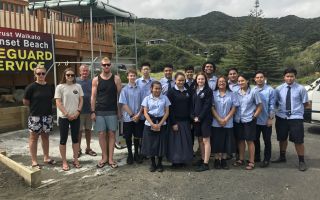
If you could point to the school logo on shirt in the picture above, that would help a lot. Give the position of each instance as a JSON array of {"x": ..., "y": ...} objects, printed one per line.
[
  {"x": 201, "y": 95},
  {"x": 75, "y": 92}
]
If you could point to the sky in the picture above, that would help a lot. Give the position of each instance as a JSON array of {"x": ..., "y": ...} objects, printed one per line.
[{"x": 179, "y": 9}]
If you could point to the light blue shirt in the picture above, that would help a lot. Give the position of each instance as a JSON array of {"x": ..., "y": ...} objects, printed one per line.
[
  {"x": 234, "y": 87},
  {"x": 223, "y": 105},
  {"x": 164, "y": 84},
  {"x": 156, "y": 106},
  {"x": 268, "y": 103},
  {"x": 130, "y": 95},
  {"x": 299, "y": 96},
  {"x": 248, "y": 103},
  {"x": 212, "y": 82},
  {"x": 145, "y": 85}
]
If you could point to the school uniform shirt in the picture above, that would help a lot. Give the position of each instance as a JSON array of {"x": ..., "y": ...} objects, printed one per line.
[
  {"x": 247, "y": 105},
  {"x": 145, "y": 85},
  {"x": 189, "y": 85},
  {"x": 268, "y": 102},
  {"x": 212, "y": 82},
  {"x": 223, "y": 105},
  {"x": 165, "y": 84},
  {"x": 234, "y": 87},
  {"x": 130, "y": 95},
  {"x": 70, "y": 97},
  {"x": 299, "y": 96},
  {"x": 156, "y": 106},
  {"x": 201, "y": 104},
  {"x": 180, "y": 105}
]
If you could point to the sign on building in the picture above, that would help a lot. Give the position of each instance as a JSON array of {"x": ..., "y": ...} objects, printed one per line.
[{"x": 22, "y": 51}]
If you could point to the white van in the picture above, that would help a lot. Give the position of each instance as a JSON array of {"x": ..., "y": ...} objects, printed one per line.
[{"x": 312, "y": 114}]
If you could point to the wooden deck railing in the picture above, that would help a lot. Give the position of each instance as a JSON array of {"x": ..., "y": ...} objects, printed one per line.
[{"x": 15, "y": 14}]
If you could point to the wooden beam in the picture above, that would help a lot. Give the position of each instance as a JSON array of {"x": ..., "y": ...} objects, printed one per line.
[{"x": 31, "y": 176}]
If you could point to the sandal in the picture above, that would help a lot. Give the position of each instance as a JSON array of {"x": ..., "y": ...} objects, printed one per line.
[
  {"x": 101, "y": 164},
  {"x": 76, "y": 165},
  {"x": 250, "y": 166},
  {"x": 65, "y": 168},
  {"x": 91, "y": 152},
  {"x": 238, "y": 163},
  {"x": 113, "y": 165},
  {"x": 50, "y": 162},
  {"x": 37, "y": 166}
]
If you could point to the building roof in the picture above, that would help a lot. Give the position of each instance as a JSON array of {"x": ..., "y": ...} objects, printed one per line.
[{"x": 101, "y": 9}]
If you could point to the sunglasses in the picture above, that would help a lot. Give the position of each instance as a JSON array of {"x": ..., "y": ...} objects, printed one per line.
[
  {"x": 70, "y": 75},
  {"x": 105, "y": 65},
  {"x": 41, "y": 73}
]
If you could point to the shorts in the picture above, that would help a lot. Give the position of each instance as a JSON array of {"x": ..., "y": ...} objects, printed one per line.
[
  {"x": 40, "y": 124},
  {"x": 106, "y": 123},
  {"x": 290, "y": 127},
  {"x": 245, "y": 131},
  {"x": 132, "y": 128},
  {"x": 85, "y": 122},
  {"x": 202, "y": 129}
]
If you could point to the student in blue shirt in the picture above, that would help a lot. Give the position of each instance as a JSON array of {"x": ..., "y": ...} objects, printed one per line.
[
  {"x": 156, "y": 112},
  {"x": 201, "y": 116},
  {"x": 264, "y": 121},
  {"x": 130, "y": 100},
  {"x": 233, "y": 79},
  {"x": 245, "y": 120},
  {"x": 291, "y": 98},
  {"x": 167, "y": 82},
  {"x": 224, "y": 106},
  {"x": 144, "y": 82},
  {"x": 209, "y": 68}
]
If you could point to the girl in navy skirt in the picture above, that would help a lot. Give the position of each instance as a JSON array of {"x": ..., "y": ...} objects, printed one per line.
[
  {"x": 223, "y": 108},
  {"x": 245, "y": 120},
  {"x": 202, "y": 118},
  {"x": 156, "y": 112},
  {"x": 180, "y": 149}
]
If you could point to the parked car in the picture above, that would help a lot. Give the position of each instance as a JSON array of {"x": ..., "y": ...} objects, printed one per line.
[{"x": 312, "y": 114}]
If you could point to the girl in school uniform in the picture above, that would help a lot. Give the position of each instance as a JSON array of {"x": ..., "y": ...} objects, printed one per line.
[
  {"x": 224, "y": 106},
  {"x": 180, "y": 149},
  {"x": 156, "y": 112},
  {"x": 245, "y": 120},
  {"x": 202, "y": 118}
]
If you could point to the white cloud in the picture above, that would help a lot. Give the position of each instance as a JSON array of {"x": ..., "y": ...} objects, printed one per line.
[{"x": 177, "y": 9}]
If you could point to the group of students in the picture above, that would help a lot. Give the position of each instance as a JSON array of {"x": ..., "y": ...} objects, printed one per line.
[{"x": 163, "y": 117}]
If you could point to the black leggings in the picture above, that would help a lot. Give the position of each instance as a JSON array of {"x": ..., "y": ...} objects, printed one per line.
[{"x": 64, "y": 129}]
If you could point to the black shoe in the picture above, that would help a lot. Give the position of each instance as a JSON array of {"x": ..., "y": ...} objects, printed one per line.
[
  {"x": 203, "y": 167},
  {"x": 257, "y": 160},
  {"x": 217, "y": 164},
  {"x": 264, "y": 164},
  {"x": 198, "y": 163},
  {"x": 153, "y": 168},
  {"x": 160, "y": 168},
  {"x": 130, "y": 159},
  {"x": 224, "y": 164},
  {"x": 302, "y": 166},
  {"x": 279, "y": 160},
  {"x": 229, "y": 157},
  {"x": 137, "y": 158}
]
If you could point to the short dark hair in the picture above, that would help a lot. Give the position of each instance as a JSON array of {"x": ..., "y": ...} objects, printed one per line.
[
  {"x": 259, "y": 72},
  {"x": 179, "y": 74},
  {"x": 131, "y": 71},
  {"x": 290, "y": 70},
  {"x": 233, "y": 69},
  {"x": 145, "y": 64},
  {"x": 168, "y": 66},
  {"x": 208, "y": 62},
  {"x": 188, "y": 67}
]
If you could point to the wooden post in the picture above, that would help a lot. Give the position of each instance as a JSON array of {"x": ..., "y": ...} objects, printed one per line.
[
  {"x": 24, "y": 114},
  {"x": 31, "y": 176}
]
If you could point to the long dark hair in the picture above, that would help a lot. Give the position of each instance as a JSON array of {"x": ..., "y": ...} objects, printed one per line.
[
  {"x": 245, "y": 77},
  {"x": 206, "y": 85},
  {"x": 63, "y": 78},
  {"x": 227, "y": 83}
]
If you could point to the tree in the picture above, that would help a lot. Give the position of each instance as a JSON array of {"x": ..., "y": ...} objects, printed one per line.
[{"x": 257, "y": 50}]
